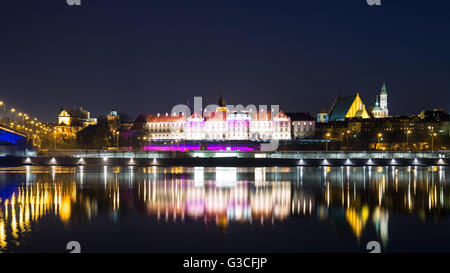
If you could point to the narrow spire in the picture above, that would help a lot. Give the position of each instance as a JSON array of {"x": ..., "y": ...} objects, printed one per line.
[
  {"x": 383, "y": 88},
  {"x": 221, "y": 102}
]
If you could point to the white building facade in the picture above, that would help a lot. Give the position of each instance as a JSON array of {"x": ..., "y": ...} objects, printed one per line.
[
  {"x": 303, "y": 125},
  {"x": 219, "y": 125},
  {"x": 380, "y": 110}
]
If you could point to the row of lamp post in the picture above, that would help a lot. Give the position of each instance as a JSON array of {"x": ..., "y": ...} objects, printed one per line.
[{"x": 379, "y": 139}]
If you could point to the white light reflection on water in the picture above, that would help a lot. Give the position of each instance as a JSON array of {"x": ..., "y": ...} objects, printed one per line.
[{"x": 359, "y": 199}]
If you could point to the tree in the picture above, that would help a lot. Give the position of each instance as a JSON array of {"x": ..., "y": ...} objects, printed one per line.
[
  {"x": 124, "y": 117},
  {"x": 95, "y": 136}
]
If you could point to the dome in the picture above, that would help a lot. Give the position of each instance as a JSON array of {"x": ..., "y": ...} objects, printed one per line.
[{"x": 376, "y": 108}]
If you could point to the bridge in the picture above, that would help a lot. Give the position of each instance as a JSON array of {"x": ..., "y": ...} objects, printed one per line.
[
  {"x": 10, "y": 136},
  {"x": 14, "y": 143}
]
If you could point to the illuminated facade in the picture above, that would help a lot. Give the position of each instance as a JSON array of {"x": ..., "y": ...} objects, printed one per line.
[
  {"x": 380, "y": 109},
  {"x": 113, "y": 119},
  {"x": 322, "y": 117},
  {"x": 383, "y": 100},
  {"x": 348, "y": 107},
  {"x": 377, "y": 111},
  {"x": 353, "y": 107},
  {"x": 64, "y": 118},
  {"x": 303, "y": 125},
  {"x": 221, "y": 124},
  {"x": 70, "y": 122}
]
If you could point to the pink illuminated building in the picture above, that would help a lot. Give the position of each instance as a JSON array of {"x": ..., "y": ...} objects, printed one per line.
[{"x": 221, "y": 124}]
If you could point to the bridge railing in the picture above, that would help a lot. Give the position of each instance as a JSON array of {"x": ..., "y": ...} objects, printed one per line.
[
  {"x": 361, "y": 154},
  {"x": 248, "y": 154}
]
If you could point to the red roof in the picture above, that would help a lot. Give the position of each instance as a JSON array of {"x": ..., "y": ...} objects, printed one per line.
[
  {"x": 214, "y": 116},
  {"x": 160, "y": 118}
]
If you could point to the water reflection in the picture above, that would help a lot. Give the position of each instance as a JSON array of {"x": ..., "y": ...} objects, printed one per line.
[{"x": 349, "y": 198}]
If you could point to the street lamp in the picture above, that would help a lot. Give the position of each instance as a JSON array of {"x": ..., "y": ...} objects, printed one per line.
[
  {"x": 114, "y": 137},
  {"x": 4, "y": 108},
  {"x": 54, "y": 136},
  {"x": 348, "y": 132},
  {"x": 407, "y": 139},
  {"x": 379, "y": 137},
  {"x": 326, "y": 141},
  {"x": 117, "y": 133},
  {"x": 432, "y": 140}
]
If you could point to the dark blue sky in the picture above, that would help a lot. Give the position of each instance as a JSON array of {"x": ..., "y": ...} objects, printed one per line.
[{"x": 144, "y": 56}]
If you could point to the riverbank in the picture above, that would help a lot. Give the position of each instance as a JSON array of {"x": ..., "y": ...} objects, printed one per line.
[{"x": 219, "y": 161}]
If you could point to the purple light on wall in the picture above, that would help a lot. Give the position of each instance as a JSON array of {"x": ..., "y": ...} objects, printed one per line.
[
  {"x": 231, "y": 148},
  {"x": 196, "y": 147},
  {"x": 172, "y": 147}
]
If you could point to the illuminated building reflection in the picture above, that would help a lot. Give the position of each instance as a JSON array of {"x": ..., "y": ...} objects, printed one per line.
[{"x": 351, "y": 198}]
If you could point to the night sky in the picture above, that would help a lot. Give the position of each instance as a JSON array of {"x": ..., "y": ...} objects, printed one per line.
[{"x": 143, "y": 56}]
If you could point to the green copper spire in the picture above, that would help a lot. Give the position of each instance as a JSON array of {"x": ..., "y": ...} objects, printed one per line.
[
  {"x": 377, "y": 105},
  {"x": 383, "y": 88}
]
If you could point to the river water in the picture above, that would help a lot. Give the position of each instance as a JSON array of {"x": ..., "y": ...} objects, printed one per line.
[{"x": 177, "y": 209}]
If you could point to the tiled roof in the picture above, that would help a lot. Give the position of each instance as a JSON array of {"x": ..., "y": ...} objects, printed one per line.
[
  {"x": 214, "y": 116},
  {"x": 160, "y": 118},
  {"x": 341, "y": 107},
  {"x": 281, "y": 114}
]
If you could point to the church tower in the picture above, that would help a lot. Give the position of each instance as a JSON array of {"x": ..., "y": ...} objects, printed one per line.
[
  {"x": 383, "y": 101},
  {"x": 377, "y": 111},
  {"x": 222, "y": 103}
]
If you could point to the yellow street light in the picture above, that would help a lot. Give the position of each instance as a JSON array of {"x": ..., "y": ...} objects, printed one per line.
[
  {"x": 432, "y": 140},
  {"x": 13, "y": 110},
  {"x": 348, "y": 132},
  {"x": 407, "y": 139},
  {"x": 326, "y": 141}
]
